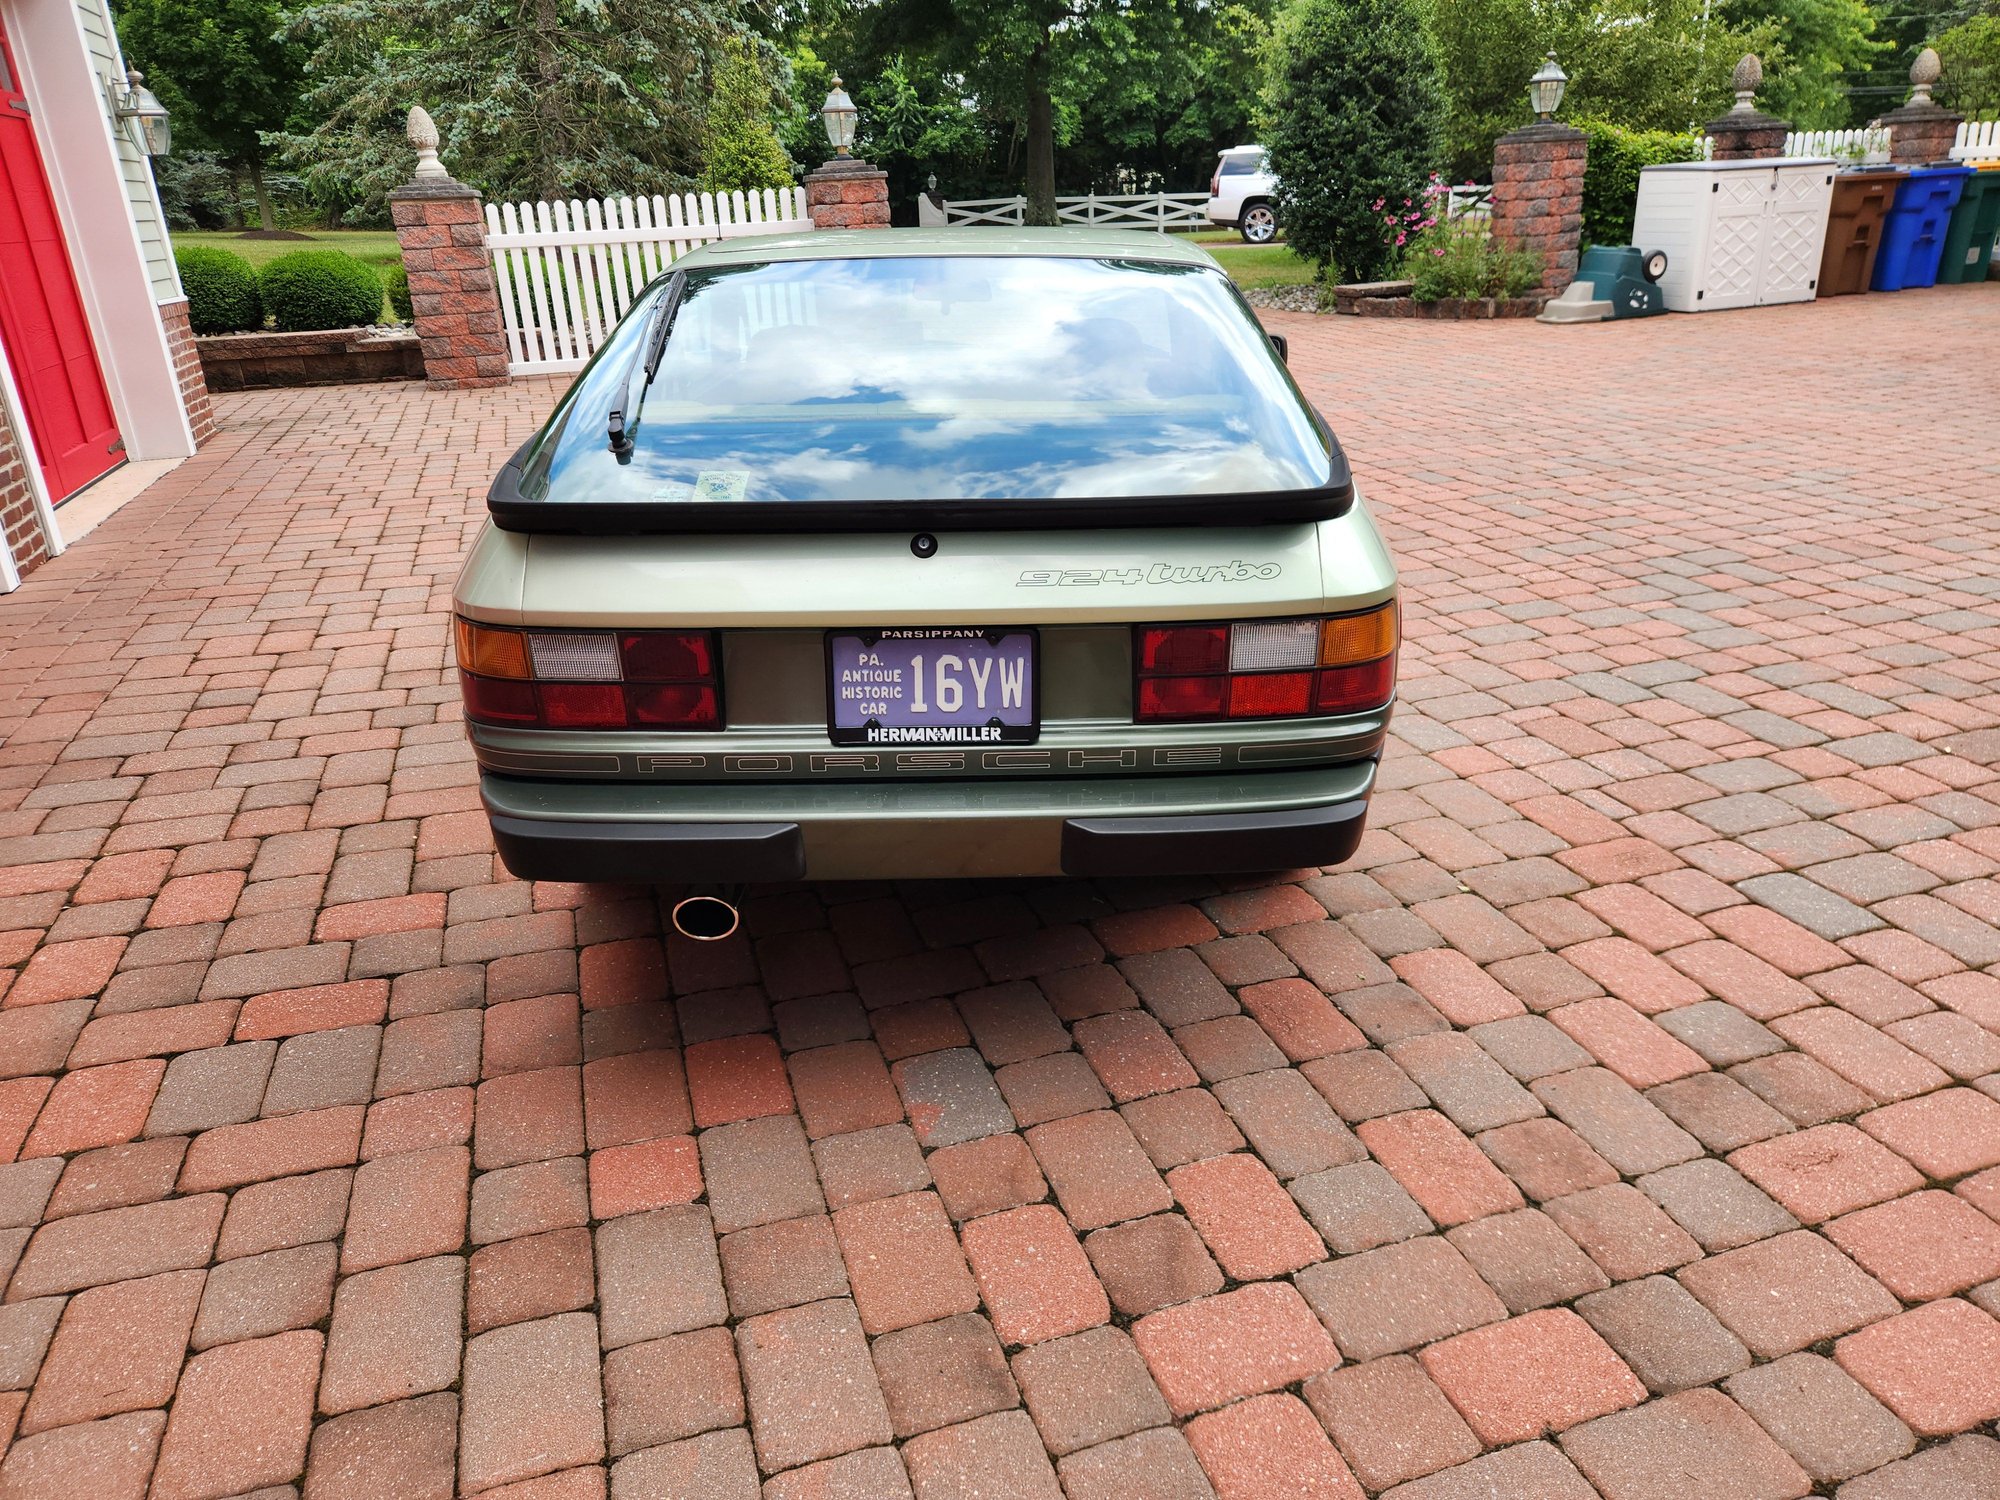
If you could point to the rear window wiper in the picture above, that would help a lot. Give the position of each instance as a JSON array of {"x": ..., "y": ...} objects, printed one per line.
[{"x": 619, "y": 428}]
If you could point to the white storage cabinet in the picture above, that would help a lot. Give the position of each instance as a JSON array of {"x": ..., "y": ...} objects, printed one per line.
[{"x": 1736, "y": 233}]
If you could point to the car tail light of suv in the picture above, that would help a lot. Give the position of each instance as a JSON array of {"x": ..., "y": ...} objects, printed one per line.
[
  {"x": 1265, "y": 669},
  {"x": 589, "y": 679}
]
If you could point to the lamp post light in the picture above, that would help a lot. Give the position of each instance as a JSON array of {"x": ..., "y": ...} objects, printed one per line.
[
  {"x": 839, "y": 114},
  {"x": 1545, "y": 89},
  {"x": 136, "y": 102}
]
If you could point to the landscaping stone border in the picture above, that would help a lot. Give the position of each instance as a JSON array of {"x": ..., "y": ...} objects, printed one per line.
[
  {"x": 1447, "y": 309},
  {"x": 338, "y": 356}
]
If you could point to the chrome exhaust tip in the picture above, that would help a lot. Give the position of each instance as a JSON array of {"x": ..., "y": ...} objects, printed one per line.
[{"x": 705, "y": 919}]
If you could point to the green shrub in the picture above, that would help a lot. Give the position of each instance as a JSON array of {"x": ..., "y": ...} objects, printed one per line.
[
  {"x": 396, "y": 282},
  {"x": 312, "y": 289},
  {"x": 221, "y": 289},
  {"x": 1461, "y": 260},
  {"x": 1356, "y": 114},
  {"x": 1611, "y": 177}
]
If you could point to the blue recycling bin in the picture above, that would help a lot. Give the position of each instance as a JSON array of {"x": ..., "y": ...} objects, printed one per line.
[{"x": 1913, "y": 233}]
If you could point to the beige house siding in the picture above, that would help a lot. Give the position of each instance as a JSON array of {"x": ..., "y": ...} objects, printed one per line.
[{"x": 133, "y": 165}]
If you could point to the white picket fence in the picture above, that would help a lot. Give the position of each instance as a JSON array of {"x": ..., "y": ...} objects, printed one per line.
[
  {"x": 566, "y": 272},
  {"x": 1867, "y": 145},
  {"x": 1106, "y": 210},
  {"x": 1978, "y": 140}
]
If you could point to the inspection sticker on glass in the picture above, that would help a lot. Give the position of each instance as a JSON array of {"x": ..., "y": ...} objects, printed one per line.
[{"x": 721, "y": 484}]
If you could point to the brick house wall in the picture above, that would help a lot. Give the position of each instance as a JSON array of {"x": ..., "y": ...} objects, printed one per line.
[
  {"x": 187, "y": 370},
  {"x": 17, "y": 505}
]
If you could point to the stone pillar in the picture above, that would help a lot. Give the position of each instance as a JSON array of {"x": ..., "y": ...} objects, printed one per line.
[
  {"x": 442, "y": 234},
  {"x": 848, "y": 193},
  {"x": 1920, "y": 131},
  {"x": 1746, "y": 133},
  {"x": 1538, "y": 197}
]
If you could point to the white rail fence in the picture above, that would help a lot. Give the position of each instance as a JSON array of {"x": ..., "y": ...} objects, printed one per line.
[
  {"x": 1107, "y": 210},
  {"x": 567, "y": 271},
  {"x": 1144, "y": 210}
]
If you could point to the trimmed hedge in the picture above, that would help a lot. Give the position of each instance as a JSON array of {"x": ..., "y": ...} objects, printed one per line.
[
  {"x": 1611, "y": 176},
  {"x": 221, "y": 289},
  {"x": 396, "y": 282},
  {"x": 310, "y": 290}
]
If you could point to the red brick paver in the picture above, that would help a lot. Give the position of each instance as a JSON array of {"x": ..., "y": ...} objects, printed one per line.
[{"x": 1663, "y": 988}]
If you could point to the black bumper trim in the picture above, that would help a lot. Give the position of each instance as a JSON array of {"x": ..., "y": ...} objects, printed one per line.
[
  {"x": 1214, "y": 844},
  {"x": 649, "y": 853}
]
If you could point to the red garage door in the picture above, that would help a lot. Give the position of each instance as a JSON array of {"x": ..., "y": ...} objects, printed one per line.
[{"x": 42, "y": 324}]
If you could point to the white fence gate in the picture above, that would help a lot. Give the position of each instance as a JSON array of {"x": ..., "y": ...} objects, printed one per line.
[{"x": 566, "y": 272}]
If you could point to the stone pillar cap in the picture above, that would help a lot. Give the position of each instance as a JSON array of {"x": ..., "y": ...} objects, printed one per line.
[{"x": 845, "y": 166}]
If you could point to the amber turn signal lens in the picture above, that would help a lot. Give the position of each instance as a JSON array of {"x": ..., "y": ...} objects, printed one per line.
[
  {"x": 490, "y": 652},
  {"x": 1347, "y": 639}
]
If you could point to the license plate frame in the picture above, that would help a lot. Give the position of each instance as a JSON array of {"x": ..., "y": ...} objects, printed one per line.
[{"x": 914, "y": 643}]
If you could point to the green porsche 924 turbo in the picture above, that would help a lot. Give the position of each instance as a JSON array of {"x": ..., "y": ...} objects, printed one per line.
[{"x": 914, "y": 553}]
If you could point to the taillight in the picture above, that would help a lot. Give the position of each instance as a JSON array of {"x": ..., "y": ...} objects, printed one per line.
[
  {"x": 1215, "y": 184},
  {"x": 1265, "y": 669},
  {"x": 589, "y": 679}
]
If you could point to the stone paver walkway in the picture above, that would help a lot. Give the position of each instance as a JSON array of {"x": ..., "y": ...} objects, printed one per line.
[{"x": 1629, "y": 1110}]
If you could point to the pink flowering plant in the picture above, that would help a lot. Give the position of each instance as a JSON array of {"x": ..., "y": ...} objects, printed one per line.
[{"x": 1447, "y": 255}]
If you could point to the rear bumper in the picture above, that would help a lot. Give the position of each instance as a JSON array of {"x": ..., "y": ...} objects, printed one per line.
[{"x": 652, "y": 833}]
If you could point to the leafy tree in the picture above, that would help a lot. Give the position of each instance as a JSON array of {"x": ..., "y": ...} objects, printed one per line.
[
  {"x": 1646, "y": 64},
  {"x": 534, "y": 98},
  {"x": 1021, "y": 61},
  {"x": 1152, "y": 105},
  {"x": 223, "y": 69},
  {"x": 1818, "y": 45},
  {"x": 742, "y": 148},
  {"x": 1970, "y": 55},
  {"x": 1356, "y": 113}
]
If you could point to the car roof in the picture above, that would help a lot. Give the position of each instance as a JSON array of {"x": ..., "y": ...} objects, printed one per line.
[{"x": 878, "y": 244}]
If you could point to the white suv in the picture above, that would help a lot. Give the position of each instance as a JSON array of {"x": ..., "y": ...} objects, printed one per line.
[{"x": 1243, "y": 194}]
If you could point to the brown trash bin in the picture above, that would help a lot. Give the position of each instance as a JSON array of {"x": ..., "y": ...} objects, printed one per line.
[{"x": 1861, "y": 199}]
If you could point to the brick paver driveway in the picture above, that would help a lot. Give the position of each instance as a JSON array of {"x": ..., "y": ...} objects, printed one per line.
[{"x": 1628, "y": 1111}]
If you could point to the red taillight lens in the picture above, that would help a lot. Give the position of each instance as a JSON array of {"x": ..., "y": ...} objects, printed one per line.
[
  {"x": 1265, "y": 669},
  {"x": 673, "y": 705},
  {"x": 498, "y": 700},
  {"x": 1177, "y": 650},
  {"x": 1270, "y": 695},
  {"x": 1349, "y": 689},
  {"x": 1181, "y": 697},
  {"x": 666, "y": 656},
  {"x": 589, "y": 679},
  {"x": 583, "y": 705}
]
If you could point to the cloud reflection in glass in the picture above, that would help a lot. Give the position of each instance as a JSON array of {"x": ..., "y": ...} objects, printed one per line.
[{"x": 946, "y": 378}]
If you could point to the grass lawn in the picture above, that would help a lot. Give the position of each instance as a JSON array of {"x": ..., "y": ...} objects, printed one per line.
[
  {"x": 1262, "y": 265},
  {"x": 376, "y": 246}
]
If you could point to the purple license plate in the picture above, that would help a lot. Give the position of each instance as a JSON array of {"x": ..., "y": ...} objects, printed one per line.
[{"x": 936, "y": 686}]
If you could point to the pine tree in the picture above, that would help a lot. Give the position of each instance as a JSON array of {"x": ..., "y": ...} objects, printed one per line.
[
  {"x": 742, "y": 149},
  {"x": 1356, "y": 127},
  {"x": 534, "y": 98}
]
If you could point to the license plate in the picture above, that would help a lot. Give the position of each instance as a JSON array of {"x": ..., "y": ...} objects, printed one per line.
[{"x": 940, "y": 686}]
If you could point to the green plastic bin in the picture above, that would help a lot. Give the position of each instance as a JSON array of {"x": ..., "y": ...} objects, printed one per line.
[{"x": 1968, "y": 239}]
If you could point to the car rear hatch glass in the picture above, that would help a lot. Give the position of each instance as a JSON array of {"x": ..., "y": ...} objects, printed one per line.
[{"x": 884, "y": 392}]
